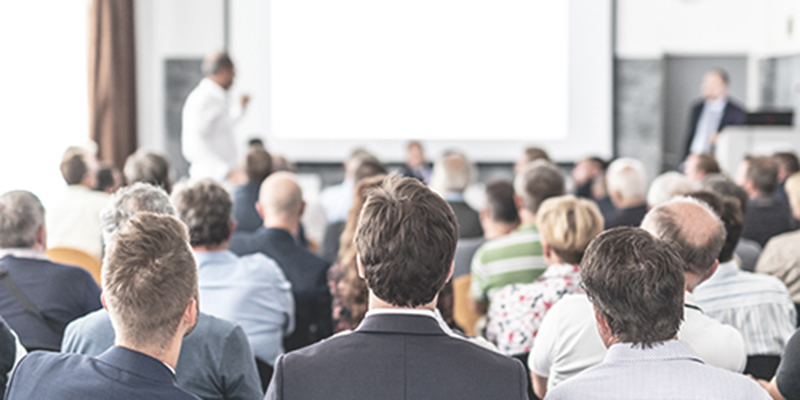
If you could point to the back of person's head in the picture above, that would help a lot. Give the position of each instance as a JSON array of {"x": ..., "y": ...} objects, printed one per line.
[
  {"x": 148, "y": 167},
  {"x": 21, "y": 218},
  {"x": 567, "y": 225},
  {"x": 149, "y": 279},
  {"x": 214, "y": 63},
  {"x": 667, "y": 186},
  {"x": 368, "y": 167},
  {"x": 106, "y": 179},
  {"x": 692, "y": 228},
  {"x": 729, "y": 211},
  {"x": 452, "y": 173},
  {"x": 406, "y": 241},
  {"x": 627, "y": 178},
  {"x": 255, "y": 142},
  {"x": 124, "y": 203},
  {"x": 357, "y": 156},
  {"x": 725, "y": 187},
  {"x": 500, "y": 202},
  {"x": 788, "y": 164},
  {"x": 762, "y": 174},
  {"x": 347, "y": 247},
  {"x": 636, "y": 284},
  {"x": 74, "y": 165},
  {"x": 281, "y": 195},
  {"x": 537, "y": 182},
  {"x": 257, "y": 164},
  {"x": 205, "y": 207},
  {"x": 532, "y": 154},
  {"x": 707, "y": 164},
  {"x": 282, "y": 164}
]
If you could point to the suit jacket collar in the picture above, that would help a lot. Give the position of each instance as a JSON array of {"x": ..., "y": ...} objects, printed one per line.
[
  {"x": 401, "y": 323},
  {"x": 137, "y": 364},
  {"x": 276, "y": 234}
]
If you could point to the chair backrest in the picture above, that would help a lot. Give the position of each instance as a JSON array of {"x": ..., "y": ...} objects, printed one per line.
[
  {"x": 66, "y": 255},
  {"x": 463, "y": 313}
]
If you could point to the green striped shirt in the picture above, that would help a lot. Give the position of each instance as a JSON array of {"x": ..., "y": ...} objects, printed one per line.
[{"x": 514, "y": 258}]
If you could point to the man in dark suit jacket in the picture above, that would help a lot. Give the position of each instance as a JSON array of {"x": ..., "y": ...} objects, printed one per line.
[
  {"x": 766, "y": 216},
  {"x": 712, "y": 114},
  {"x": 452, "y": 175},
  {"x": 257, "y": 166},
  {"x": 281, "y": 206},
  {"x": 150, "y": 291},
  {"x": 59, "y": 292},
  {"x": 406, "y": 239}
]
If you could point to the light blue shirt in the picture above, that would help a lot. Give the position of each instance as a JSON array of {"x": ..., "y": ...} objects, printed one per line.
[
  {"x": 337, "y": 200},
  {"x": 671, "y": 370},
  {"x": 707, "y": 125},
  {"x": 250, "y": 291}
]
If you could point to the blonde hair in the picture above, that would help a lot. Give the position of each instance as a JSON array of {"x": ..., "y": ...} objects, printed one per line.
[
  {"x": 793, "y": 191},
  {"x": 567, "y": 224}
]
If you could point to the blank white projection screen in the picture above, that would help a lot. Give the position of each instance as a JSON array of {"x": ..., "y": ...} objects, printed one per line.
[{"x": 437, "y": 70}]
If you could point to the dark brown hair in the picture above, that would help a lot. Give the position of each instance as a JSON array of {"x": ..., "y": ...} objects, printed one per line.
[
  {"x": 205, "y": 207},
  {"x": 258, "y": 164},
  {"x": 763, "y": 171},
  {"x": 74, "y": 168}
]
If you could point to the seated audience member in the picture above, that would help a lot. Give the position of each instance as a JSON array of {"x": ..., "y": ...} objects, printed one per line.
[
  {"x": 746, "y": 250},
  {"x": 38, "y": 297},
  {"x": 250, "y": 291},
  {"x": 781, "y": 256},
  {"x": 452, "y": 175},
  {"x": 281, "y": 205},
  {"x": 766, "y": 217},
  {"x": 150, "y": 290},
  {"x": 215, "y": 362},
  {"x": 108, "y": 179},
  {"x": 627, "y": 187},
  {"x": 74, "y": 222},
  {"x": 11, "y": 352},
  {"x": 257, "y": 167},
  {"x": 336, "y": 200},
  {"x": 589, "y": 178},
  {"x": 785, "y": 385},
  {"x": 282, "y": 164},
  {"x": 568, "y": 341},
  {"x": 528, "y": 156},
  {"x": 639, "y": 325},
  {"x": 666, "y": 186},
  {"x": 788, "y": 165},
  {"x": 516, "y": 257},
  {"x": 406, "y": 238},
  {"x": 499, "y": 217},
  {"x": 416, "y": 167},
  {"x": 699, "y": 166},
  {"x": 148, "y": 167},
  {"x": 567, "y": 225},
  {"x": 757, "y": 305}
]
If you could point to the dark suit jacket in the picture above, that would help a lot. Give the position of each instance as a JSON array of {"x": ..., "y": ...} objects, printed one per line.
[
  {"x": 244, "y": 207},
  {"x": 308, "y": 274},
  {"x": 117, "y": 374},
  {"x": 766, "y": 217},
  {"x": 733, "y": 114},
  {"x": 8, "y": 353},
  {"x": 397, "y": 356},
  {"x": 330, "y": 242},
  {"x": 469, "y": 222},
  {"x": 60, "y": 292},
  {"x": 632, "y": 216}
]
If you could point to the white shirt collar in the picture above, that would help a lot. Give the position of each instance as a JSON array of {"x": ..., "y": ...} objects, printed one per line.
[
  {"x": 401, "y": 311},
  {"x": 170, "y": 368},
  {"x": 23, "y": 253}
]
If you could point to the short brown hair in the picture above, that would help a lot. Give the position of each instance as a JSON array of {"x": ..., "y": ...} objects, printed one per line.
[
  {"x": 73, "y": 165},
  {"x": 788, "y": 161},
  {"x": 707, "y": 163},
  {"x": 500, "y": 202},
  {"x": 567, "y": 224},
  {"x": 148, "y": 167},
  {"x": 205, "y": 207},
  {"x": 538, "y": 181},
  {"x": 149, "y": 278},
  {"x": 257, "y": 164},
  {"x": 649, "y": 311},
  {"x": 763, "y": 171},
  {"x": 406, "y": 239},
  {"x": 532, "y": 154}
]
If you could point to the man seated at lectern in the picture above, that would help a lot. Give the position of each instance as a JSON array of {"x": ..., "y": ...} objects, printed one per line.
[{"x": 712, "y": 114}]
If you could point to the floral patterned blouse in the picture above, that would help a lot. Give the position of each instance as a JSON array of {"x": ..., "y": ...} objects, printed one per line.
[{"x": 517, "y": 310}]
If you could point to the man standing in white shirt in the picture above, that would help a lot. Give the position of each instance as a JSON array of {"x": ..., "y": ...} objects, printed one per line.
[{"x": 208, "y": 120}]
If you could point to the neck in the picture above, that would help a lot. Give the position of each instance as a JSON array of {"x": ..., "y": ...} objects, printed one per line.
[
  {"x": 168, "y": 355},
  {"x": 526, "y": 217},
  {"x": 287, "y": 224},
  {"x": 692, "y": 281},
  {"x": 375, "y": 303},
  {"x": 211, "y": 247},
  {"x": 629, "y": 203},
  {"x": 553, "y": 259},
  {"x": 495, "y": 229},
  {"x": 217, "y": 80}
]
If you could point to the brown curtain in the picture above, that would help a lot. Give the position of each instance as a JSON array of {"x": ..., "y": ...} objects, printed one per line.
[{"x": 112, "y": 79}]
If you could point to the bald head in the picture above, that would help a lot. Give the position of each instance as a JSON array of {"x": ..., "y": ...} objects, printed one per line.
[
  {"x": 281, "y": 198},
  {"x": 693, "y": 229}
]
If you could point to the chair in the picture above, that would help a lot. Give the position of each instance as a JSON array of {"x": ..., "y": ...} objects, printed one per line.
[
  {"x": 523, "y": 358},
  {"x": 762, "y": 366},
  {"x": 463, "y": 313},
  {"x": 264, "y": 373},
  {"x": 65, "y": 255}
]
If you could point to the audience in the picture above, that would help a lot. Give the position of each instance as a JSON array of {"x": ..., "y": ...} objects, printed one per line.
[
  {"x": 568, "y": 341},
  {"x": 38, "y": 297},
  {"x": 452, "y": 175},
  {"x": 250, "y": 291},
  {"x": 281, "y": 205},
  {"x": 528, "y": 156},
  {"x": 416, "y": 167},
  {"x": 148, "y": 167},
  {"x": 788, "y": 164},
  {"x": 781, "y": 256},
  {"x": 516, "y": 257},
  {"x": 766, "y": 217},
  {"x": 336, "y": 200},
  {"x": 627, "y": 187},
  {"x": 74, "y": 222},
  {"x": 400, "y": 346},
  {"x": 150, "y": 291},
  {"x": 666, "y": 186},
  {"x": 589, "y": 180},
  {"x": 699, "y": 166},
  {"x": 257, "y": 167},
  {"x": 215, "y": 362},
  {"x": 639, "y": 325},
  {"x": 758, "y": 306},
  {"x": 567, "y": 225}
]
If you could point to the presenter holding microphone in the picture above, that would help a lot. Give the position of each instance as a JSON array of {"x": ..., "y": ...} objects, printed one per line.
[{"x": 208, "y": 120}]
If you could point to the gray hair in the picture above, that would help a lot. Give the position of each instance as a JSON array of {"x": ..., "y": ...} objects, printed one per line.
[
  {"x": 148, "y": 167},
  {"x": 667, "y": 186},
  {"x": 538, "y": 181},
  {"x": 128, "y": 201},
  {"x": 452, "y": 173},
  {"x": 628, "y": 177},
  {"x": 21, "y": 216}
]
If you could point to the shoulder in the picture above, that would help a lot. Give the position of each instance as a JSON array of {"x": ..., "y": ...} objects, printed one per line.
[
  {"x": 210, "y": 328},
  {"x": 39, "y": 363},
  {"x": 262, "y": 267}
]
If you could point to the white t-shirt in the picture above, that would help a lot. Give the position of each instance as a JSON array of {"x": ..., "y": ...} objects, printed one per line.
[{"x": 568, "y": 341}]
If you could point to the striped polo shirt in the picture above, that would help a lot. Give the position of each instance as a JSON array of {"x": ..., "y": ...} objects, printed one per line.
[{"x": 514, "y": 258}]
